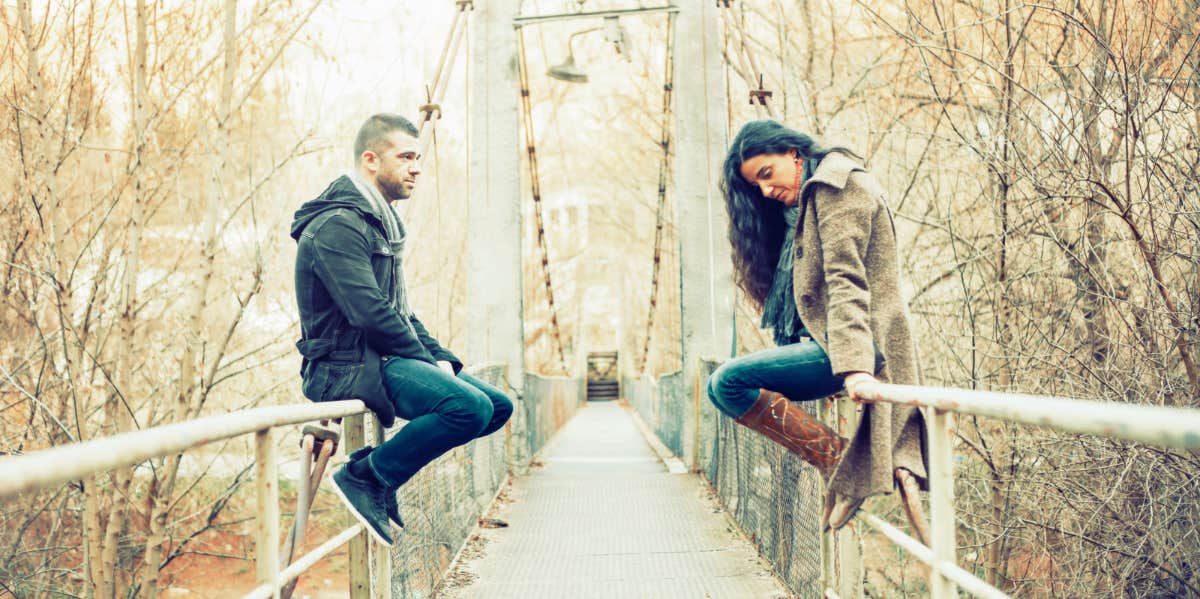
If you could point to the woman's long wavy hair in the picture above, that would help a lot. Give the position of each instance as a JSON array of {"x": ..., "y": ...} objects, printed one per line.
[{"x": 756, "y": 224}]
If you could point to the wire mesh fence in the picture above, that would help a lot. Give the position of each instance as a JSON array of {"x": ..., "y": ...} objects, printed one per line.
[
  {"x": 773, "y": 496},
  {"x": 664, "y": 407},
  {"x": 443, "y": 502},
  {"x": 548, "y": 403}
]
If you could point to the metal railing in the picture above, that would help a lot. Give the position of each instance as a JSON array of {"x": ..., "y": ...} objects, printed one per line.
[
  {"x": 59, "y": 465},
  {"x": 1153, "y": 425}
]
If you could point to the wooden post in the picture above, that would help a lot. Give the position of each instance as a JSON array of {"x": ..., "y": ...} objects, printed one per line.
[
  {"x": 360, "y": 574},
  {"x": 382, "y": 589}
]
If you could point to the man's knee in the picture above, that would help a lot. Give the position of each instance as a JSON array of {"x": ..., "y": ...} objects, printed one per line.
[
  {"x": 502, "y": 409},
  {"x": 469, "y": 409}
]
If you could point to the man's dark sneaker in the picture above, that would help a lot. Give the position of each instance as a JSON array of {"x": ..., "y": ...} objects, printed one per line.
[
  {"x": 389, "y": 500},
  {"x": 392, "y": 507},
  {"x": 365, "y": 500}
]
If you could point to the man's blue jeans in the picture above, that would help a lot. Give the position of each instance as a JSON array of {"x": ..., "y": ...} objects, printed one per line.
[
  {"x": 801, "y": 371},
  {"x": 443, "y": 412}
]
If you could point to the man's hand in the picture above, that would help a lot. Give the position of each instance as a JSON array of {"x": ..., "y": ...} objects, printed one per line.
[
  {"x": 853, "y": 380},
  {"x": 445, "y": 365}
]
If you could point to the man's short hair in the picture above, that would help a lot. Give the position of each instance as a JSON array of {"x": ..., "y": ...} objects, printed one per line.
[{"x": 373, "y": 133}]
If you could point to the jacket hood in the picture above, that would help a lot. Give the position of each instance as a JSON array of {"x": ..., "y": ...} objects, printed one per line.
[{"x": 340, "y": 194}]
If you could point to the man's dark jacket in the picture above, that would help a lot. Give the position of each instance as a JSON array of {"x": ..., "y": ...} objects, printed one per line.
[{"x": 345, "y": 273}]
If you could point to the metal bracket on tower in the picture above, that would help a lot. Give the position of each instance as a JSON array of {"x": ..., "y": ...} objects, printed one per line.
[
  {"x": 430, "y": 107},
  {"x": 465, "y": 5},
  {"x": 724, "y": 3},
  {"x": 760, "y": 94}
]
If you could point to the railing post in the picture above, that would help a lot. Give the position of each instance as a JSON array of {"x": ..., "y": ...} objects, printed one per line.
[
  {"x": 266, "y": 526},
  {"x": 360, "y": 572},
  {"x": 826, "y": 411},
  {"x": 841, "y": 552},
  {"x": 941, "y": 501},
  {"x": 699, "y": 380},
  {"x": 849, "y": 547}
]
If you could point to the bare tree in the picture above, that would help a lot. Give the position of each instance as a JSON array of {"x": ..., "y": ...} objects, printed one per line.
[
  {"x": 93, "y": 249},
  {"x": 1043, "y": 180}
]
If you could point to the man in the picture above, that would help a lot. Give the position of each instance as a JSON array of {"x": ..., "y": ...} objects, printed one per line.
[{"x": 361, "y": 339}]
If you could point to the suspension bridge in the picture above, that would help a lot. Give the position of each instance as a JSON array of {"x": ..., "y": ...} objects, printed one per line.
[{"x": 655, "y": 495}]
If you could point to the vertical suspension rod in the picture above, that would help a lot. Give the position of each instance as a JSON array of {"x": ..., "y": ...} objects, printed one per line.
[
  {"x": 664, "y": 169},
  {"x": 535, "y": 184}
]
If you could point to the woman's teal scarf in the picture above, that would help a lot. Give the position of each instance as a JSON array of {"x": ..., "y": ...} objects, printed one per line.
[{"x": 779, "y": 309}]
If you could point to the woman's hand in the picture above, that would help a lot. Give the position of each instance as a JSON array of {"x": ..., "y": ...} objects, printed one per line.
[{"x": 853, "y": 380}]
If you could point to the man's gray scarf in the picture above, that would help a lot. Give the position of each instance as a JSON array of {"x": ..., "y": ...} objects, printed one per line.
[
  {"x": 396, "y": 236},
  {"x": 779, "y": 309}
]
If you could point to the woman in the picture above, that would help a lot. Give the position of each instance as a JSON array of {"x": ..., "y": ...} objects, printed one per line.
[{"x": 814, "y": 246}]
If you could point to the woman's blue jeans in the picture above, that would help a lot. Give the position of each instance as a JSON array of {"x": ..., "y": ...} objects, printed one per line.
[
  {"x": 800, "y": 371},
  {"x": 443, "y": 412}
]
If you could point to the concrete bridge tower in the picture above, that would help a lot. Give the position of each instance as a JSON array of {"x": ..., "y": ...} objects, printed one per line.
[{"x": 701, "y": 132}]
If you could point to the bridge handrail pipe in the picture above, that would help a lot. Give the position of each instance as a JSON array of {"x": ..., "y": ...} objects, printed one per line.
[
  {"x": 1153, "y": 425},
  {"x": 969, "y": 582},
  {"x": 302, "y": 565},
  {"x": 59, "y": 465}
]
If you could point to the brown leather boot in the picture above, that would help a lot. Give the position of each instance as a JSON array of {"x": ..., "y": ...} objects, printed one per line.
[
  {"x": 840, "y": 511},
  {"x": 787, "y": 424},
  {"x": 910, "y": 500}
]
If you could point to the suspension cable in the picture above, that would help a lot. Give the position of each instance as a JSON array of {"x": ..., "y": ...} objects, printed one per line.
[
  {"x": 530, "y": 141},
  {"x": 437, "y": 189},
  {"x": 432, "y": 109},
  {"x": 664, "y": 170},
  {"x": 760, "y": 97}
]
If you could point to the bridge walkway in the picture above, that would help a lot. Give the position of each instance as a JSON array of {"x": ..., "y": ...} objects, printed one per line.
[{"x": 603, "y": 517}]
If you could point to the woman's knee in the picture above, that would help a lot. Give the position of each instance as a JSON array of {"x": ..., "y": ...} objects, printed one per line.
[
  {"x": 725, "y": 382},
  {"x": 726, "y": 392}
]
